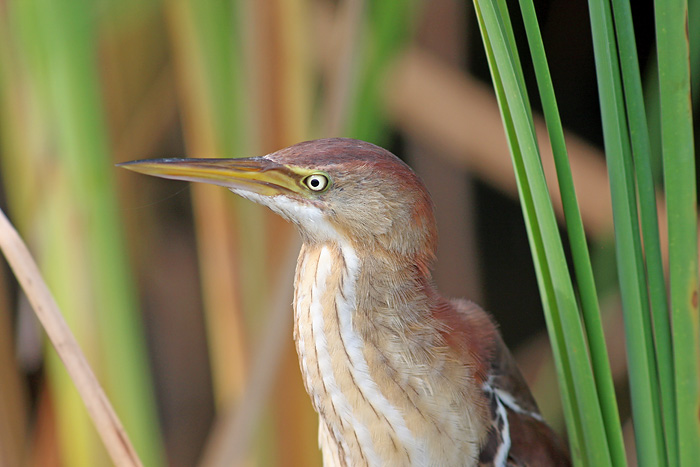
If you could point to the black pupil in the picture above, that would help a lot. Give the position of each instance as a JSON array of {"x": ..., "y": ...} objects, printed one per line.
[{"x": 315, "y": 182}]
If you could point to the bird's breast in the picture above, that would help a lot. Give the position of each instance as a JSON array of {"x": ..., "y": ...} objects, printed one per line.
[{"x": 371, "y": 412}]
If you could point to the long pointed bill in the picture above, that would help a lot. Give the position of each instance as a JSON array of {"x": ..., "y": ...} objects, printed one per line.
[{"x": 255, "y": 174}]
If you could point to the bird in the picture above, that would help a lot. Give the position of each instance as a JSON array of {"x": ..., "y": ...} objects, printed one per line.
[{"x": 398, "y": 374}]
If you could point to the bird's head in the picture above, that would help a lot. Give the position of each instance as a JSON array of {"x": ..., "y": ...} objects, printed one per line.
[{"x": 334, "y": 190}]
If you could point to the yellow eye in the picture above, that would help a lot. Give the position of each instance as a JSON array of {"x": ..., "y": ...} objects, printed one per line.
[{"x": 317, "y": 182}]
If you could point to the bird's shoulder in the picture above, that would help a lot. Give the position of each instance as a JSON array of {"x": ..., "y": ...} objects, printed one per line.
[
  {"x": 472, "y": 331},
  {"x": 518, "y": 435}
]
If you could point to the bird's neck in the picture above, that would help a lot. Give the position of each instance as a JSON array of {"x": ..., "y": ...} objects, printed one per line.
[
  {"x": 372, "y": 356},
  {"x": 379, "y": 294}
]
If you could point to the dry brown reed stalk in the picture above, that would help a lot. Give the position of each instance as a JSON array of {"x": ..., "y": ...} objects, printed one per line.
[
  {"x": 152, "y": 118},
  {"x": 217, "y": 235},
  {"x": 98, "y": 406},
  {"x": 280, "y": 90},
  {"x": 229, "y": 441}
]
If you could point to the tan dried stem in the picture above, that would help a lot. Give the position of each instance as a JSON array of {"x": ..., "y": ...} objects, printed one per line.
[{"x": 98, "y": 406}]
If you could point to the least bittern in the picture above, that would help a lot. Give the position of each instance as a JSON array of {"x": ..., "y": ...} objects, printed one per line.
[{"x": 398, "y": 374}]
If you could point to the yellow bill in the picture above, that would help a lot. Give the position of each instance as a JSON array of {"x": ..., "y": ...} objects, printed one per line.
[{"x": 255, "y": 174}]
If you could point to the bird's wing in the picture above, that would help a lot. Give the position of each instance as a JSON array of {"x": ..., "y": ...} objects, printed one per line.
[
  {"x": 508, "y": 383},
  {"x": 532, "y": 441},
  {"x": 518, "y": 435}
]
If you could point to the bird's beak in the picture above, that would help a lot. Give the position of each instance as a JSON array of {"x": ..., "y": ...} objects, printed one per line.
[{"x": 255, "y": 174}]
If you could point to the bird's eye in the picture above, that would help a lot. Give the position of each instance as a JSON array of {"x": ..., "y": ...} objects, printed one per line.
[{"x": 317, "y": 182}]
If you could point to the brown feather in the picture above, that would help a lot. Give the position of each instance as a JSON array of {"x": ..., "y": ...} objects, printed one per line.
[{"x": 535, "y": 444}]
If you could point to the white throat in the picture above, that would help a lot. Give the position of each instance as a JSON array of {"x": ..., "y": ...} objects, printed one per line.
[{"x": 306, "y": 216}]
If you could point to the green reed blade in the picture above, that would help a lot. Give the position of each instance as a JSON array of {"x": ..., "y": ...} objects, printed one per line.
[
  {"x": 577, "y": 240},
  {"x": 681, "y": 196},
  {"x": 641, "y": 149},
  {"x": 584, "y": 395},
  {"x": 640, "y": 349}
]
